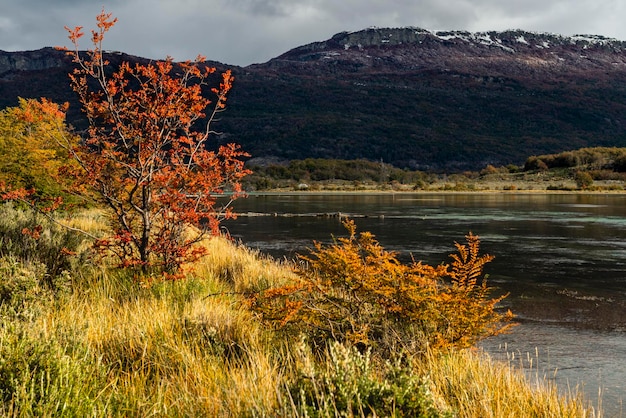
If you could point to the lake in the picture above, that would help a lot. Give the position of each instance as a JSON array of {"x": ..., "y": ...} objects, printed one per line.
[{"x": 561, "y": 257}]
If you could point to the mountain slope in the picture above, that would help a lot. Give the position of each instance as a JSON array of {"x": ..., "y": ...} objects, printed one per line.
[{"x": 411, "y": 97}]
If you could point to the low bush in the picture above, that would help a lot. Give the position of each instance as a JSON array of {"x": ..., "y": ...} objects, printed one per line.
[
  {"x": 47, "y": 372},
  {"x": 583, "y": 179},
  {"x": 21, "y": 288},
  {"x": 31, "y": 237},
  {"x": 349, "y": 384},
  {"x": 355, "y": 292}
]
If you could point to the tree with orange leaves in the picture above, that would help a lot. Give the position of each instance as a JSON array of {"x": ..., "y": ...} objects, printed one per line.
[{"x": 147, "y": 157}]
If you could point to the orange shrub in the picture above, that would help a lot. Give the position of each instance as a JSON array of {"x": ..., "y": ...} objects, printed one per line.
[{"x": 356, "y": 292}]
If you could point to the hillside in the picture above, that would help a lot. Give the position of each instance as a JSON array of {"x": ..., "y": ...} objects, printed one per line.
[{"x": 410, "y": 97}]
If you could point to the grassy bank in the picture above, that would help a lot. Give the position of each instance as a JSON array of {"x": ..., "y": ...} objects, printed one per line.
[
  {"x": 95, "y": 341},
  {"x": 544, "y": 181},
  {"x": 587, "y": 169}
]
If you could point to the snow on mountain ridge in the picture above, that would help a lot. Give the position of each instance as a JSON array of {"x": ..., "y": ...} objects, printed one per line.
[{"x": 506, "y": 40}]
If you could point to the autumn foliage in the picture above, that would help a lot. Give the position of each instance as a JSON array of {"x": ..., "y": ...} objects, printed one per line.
[
  {"x": 31, "y": 156},
  {"x": 355, "y": 291},
  {"x": 146, "y": 156}
]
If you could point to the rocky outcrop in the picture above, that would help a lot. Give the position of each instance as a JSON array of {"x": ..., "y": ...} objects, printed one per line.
[
  {"x": 510, "y": 53},
  {"x": 38, "y": 60}
]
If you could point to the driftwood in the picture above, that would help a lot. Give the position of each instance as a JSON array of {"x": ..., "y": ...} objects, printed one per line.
[{"x": 337, "y": 215}]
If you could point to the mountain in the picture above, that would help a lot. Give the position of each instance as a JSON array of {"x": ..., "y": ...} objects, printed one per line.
[{"x": 406, "y": 96}]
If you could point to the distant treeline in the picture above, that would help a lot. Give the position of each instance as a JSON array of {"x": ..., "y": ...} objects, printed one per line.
[
  {"x": 600, "y": 163},
  {"x": 598, "y": 158},
  {"x": 317, "y": 169}
]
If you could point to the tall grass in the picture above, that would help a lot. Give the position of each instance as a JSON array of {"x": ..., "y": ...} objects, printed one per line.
[
  {"x": 474, "y": 385},
  {"x": 153, "y": 352},
  {"x": 110, "y": 345},
  {"x": 242, "y": 269}
]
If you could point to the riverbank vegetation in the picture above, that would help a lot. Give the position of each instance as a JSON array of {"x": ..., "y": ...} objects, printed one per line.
[
  {"x": 85, "y": 338},
  {"x": 586, "y": 169}
]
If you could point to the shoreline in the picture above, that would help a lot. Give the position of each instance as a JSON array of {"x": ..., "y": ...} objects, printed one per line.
[{"x": 287, "y": 192}]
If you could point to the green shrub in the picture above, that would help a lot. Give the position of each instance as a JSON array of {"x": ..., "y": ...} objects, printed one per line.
[
  {"x": 535, "y": 164},
  {"x": 315, "y": 170},
  {"x": 30, "y": 237},
  {"x": 41, "y": 377},
  {"x": 512, "y": 168},
  {"x": 559, "y": 186},
  {"x": 347, "y": 384},
  {"x": 601, "y": 175},
  {"x": 583, "y": 179},
  {"x": 620, "y": 164},
  {"x": 21, "y": 291}
]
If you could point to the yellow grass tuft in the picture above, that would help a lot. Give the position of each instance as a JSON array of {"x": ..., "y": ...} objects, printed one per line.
[
  {"x": 92, "y": 220},
  {"x": 242, "y": 268},
  {"x": 474, "y": 385}
]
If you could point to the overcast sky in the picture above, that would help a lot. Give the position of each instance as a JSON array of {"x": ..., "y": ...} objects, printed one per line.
[{"x": 242, "y": 32}]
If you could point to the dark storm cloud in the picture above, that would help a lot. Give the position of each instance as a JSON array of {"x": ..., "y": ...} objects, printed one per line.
[{"x": 242, "y": 32}]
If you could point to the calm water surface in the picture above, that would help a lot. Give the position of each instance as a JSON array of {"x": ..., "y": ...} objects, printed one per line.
[{"x": 562, "y": 258}]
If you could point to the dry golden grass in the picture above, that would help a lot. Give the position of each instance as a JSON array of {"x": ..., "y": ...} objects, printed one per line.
[
  {"x": 474, "y": 385},
  {"x": 241, "y": 268},
  {"x": 116, "y": 347},
  {"x": 171, "y": 349},
  {"x": 90, "y": 220}
]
